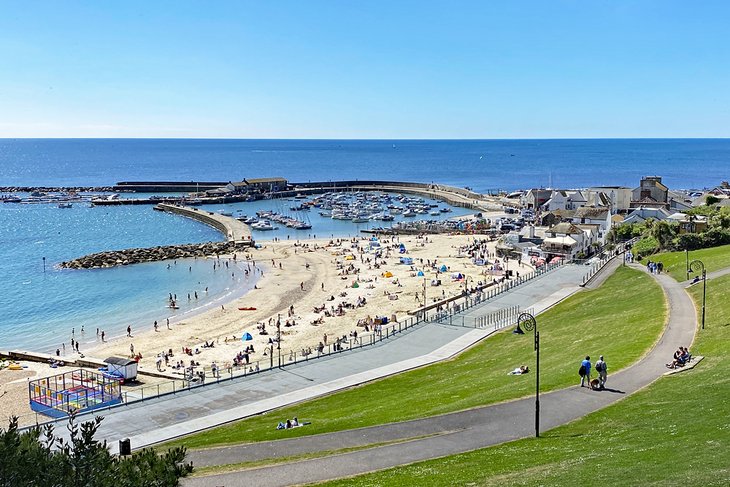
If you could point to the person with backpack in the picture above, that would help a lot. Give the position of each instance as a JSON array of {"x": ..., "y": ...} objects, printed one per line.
[
  {"x": 585, "y": 371},
  {"x": 602, "y": 370}
]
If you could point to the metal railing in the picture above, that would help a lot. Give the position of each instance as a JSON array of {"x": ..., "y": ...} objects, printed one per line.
[
  {"x": 278, "y": 358},
  {"x": 620, "y": 249}
]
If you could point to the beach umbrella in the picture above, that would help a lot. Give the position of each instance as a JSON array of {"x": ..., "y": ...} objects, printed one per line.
[{"x": 246, "y": 337}]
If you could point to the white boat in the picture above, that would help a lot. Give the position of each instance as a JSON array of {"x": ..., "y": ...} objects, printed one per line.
[
  {"x": 262, "y": 225},
  {"x": 225, "y": 213},
  {"x": 251, "y": 220},
  {"x": 409, "y": 213},
  {"x": 435, "y": 213}
]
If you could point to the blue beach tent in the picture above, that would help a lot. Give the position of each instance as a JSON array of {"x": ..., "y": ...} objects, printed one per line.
[{"x": 246, "y": 337}]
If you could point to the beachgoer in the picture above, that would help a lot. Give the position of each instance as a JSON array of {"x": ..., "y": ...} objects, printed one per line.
[
  {"x": 129, "y": 330},
  {"x": 585, "y": 371},
  {"x": 131, "y": 348},
  {"x": 602, "y": 370}
]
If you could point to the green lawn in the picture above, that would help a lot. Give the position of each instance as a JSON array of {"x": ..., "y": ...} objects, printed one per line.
[
  {"x": 621, "y": 320},
  {"x": 675, "y": 262},
  {"x": 672, "y": 433}
]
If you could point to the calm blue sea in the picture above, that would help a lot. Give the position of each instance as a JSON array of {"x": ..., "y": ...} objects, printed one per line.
[
  {"x": 481, "y": 164},
  {"x": 38, "y": 309}
]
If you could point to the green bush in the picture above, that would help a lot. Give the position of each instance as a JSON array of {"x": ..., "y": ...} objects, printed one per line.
[
  {"x": 646, "y": 246},
  {"x": 37, "y": 457}
]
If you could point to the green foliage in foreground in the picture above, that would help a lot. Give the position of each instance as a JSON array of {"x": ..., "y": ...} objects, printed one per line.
[
  {"x": 37, "y": 457},
  {"x": 620, "y": 320},
  {"x": 714, "y": 259},
  {"x": 675, "y": 432}
]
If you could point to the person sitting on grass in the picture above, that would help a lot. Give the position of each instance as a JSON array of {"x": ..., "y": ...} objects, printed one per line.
[{"x": 522, "y": 369}]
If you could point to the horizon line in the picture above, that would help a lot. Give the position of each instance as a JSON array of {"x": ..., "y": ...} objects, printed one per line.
[{"x": 367, "y": 138}]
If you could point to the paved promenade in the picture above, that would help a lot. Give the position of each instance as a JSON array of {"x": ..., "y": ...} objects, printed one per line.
[
  {"x": 161, "y": 419},
  {"x": 455, "y": 432}
]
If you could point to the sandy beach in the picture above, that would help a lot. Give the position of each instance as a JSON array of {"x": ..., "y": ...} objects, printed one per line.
[{"x": 318, "y": 287}]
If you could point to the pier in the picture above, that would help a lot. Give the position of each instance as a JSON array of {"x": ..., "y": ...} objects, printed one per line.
[{"x": 234, "y": 230}]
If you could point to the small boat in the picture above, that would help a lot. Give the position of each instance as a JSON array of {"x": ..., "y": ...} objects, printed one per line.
[
  {"x": 435, "y": 213},
  {"x": 225, "y": 213},
  {"x": 409, "y": 213},
  {"x": 65, "y": 205},
  {"x": 262, "y": 225},
  {"x": 446, "y": 210}
]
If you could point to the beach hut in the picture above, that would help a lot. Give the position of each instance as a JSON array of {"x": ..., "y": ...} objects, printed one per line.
[
  {"x": 246, "y": 336},
  {"x": 121, "y": 367}
]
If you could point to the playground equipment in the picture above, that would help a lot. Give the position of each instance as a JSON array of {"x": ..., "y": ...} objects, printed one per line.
[{"x": 75, "y": 391}]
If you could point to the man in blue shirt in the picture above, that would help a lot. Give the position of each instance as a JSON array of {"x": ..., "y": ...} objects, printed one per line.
[{"x": 586, "y": 368}]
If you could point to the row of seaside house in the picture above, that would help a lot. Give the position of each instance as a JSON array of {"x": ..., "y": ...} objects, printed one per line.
[{"x": 574, "y": 224}]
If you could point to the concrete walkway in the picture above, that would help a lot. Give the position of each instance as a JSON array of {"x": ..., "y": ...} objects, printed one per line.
[
  {"x": 156, "y": 420},
  {"x": 710, "y": 276},
  {"x": 453, "y": 433}
]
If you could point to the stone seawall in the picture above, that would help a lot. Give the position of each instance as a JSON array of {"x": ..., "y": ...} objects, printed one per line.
[
  {"x": 233, "y": 229},
  {"x": 114, "y": 258}
]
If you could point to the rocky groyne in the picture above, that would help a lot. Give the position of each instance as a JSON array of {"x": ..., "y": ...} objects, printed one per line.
[{"x": 153, "y": 254}]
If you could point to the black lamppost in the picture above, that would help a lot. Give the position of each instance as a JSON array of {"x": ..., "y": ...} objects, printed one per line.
[
  {"x": 278, "y": 337},
  {"x": 699, "y": 266},
  {"x": 529, "y": 323}
]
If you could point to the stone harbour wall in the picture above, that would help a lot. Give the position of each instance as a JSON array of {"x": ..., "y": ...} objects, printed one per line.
[{"x": 114, "y": 258}]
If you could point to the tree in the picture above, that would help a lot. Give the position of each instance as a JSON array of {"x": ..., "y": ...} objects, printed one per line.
[
  {"x": 711, "y": 200},
  {"x": 38, "y": 457}
]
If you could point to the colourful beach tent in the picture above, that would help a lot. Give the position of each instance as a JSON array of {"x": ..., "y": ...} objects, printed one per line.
[{"x": 246, "y": 337}]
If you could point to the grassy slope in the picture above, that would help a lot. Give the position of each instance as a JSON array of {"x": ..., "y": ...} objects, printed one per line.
[
  {"x": 675, "y": 262},
  {"x": 675, "y": 432},
  {"x": 620, "y": 320}
]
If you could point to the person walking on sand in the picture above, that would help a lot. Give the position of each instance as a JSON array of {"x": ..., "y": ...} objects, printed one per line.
[
  {"x": 129, "y": 330},
  {"x": 585, "y": 371},
  {"x": 602, "y": 370}
]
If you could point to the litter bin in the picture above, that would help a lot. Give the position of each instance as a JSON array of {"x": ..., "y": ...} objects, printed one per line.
[{"x": 125, "y": 447}]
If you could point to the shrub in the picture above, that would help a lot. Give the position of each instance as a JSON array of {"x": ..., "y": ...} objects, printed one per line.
[{"x": 646, "y": 246}]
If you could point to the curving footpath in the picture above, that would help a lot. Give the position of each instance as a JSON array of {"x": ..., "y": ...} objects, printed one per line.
[{"x": 451, "y": 433}]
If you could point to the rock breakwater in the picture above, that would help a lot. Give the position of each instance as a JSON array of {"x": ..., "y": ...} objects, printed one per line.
[{"x": 114, "y": 258}]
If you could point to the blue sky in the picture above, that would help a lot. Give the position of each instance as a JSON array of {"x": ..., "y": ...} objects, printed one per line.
[{"x": 374, "y": 69}]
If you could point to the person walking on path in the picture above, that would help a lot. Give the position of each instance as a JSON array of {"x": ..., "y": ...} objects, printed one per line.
[
  {"x": 585, "y": 371},
  {"x": 602, "y": 370}
]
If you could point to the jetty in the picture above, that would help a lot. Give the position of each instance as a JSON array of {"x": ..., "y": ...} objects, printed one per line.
[
  {"x": 234, "y": 230},
  {"x": 237, "y": 237}
]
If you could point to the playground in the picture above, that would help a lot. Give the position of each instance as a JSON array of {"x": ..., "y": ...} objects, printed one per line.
[{"x": 74, "y": 391}]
